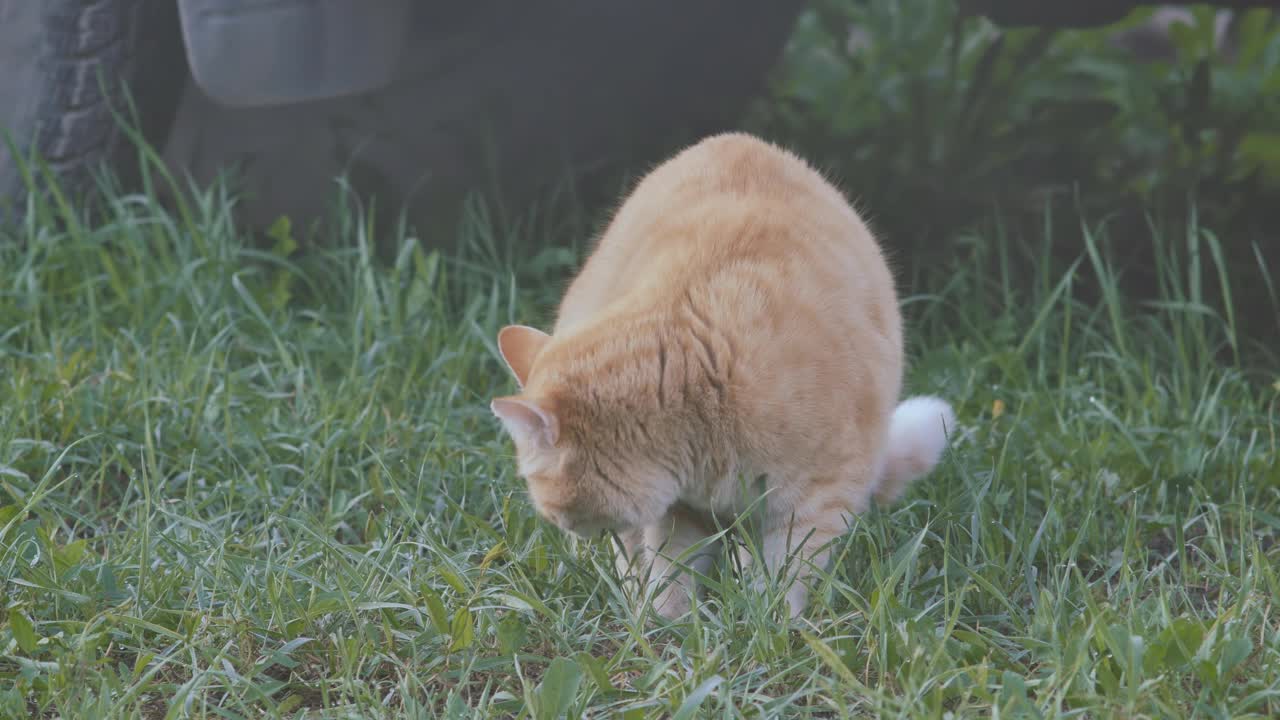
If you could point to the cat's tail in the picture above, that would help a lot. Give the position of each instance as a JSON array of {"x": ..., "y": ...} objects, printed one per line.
[{"x": 918, "y": 434}]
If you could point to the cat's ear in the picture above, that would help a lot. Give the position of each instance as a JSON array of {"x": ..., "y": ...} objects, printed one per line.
[
  {"x": 527, "y": 420},
  {"x": 519, "y": 345}
]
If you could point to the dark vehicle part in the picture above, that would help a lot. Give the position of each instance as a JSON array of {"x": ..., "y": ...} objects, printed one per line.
[
  {"x": 519, "y": 95},
  {"x": 1083, "y": 13},
  {"x": 271, "y": 52},
  {"x": 554, "y": 85},
  {"x": 64, "y": 65}
]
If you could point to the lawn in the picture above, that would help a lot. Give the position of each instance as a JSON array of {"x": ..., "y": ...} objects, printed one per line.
[{"x": 241, "y": 479}]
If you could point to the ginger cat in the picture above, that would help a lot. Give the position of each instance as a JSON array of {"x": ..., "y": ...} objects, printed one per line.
[{"x": 736, "y": 320}]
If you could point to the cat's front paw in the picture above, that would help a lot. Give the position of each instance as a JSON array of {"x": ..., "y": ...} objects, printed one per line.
[
  {"x": 673, "y": 602},
  {"x": 797, "y": 594},
  {"x": 797, "y": 598}
]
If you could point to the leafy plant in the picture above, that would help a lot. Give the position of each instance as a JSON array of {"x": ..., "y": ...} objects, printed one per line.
[{"x": 932, "y": 118}]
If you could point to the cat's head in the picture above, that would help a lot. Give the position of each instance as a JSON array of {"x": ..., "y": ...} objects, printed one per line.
[{"x": 582, "y": 476}]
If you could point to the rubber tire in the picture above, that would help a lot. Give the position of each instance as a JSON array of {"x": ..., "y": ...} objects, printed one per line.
[{"x": 53, "y": 54}]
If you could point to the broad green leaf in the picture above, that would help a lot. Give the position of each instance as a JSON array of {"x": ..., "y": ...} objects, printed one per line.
[
  {"x": 451, "y": 577},
  {"x": 511, "y": 633},
  {"x": 141, "y": 663},
  {"x": 23, "y": 631},
  {"x": 595, "y": 668},
  {"x": 435, "y": 609},
  {"x": 462, "y": 630},
  {"x": 69, "y": 555},
  {"x": 1236, "y": 651},
  {"x": 558, "y": 688}
]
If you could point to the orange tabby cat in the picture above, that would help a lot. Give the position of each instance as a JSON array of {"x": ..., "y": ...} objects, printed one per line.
[{"x": 737, "y": 320}]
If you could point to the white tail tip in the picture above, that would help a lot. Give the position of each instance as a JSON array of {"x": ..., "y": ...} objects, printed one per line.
[{"x": 918, "y": 434}]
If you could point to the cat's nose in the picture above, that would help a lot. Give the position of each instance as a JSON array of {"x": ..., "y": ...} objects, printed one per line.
[
  {"x": 569, "y": 519},
  {"x": 562, "y": 518},
  {"x": 581, "y": 524}
]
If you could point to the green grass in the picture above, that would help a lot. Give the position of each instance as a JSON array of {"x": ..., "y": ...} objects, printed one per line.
[{"x": 244, "y": 482}]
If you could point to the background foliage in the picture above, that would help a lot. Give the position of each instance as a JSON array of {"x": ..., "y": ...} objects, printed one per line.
[
  {"x": 933, "y": 119},
  {"x": 917, "y": 105}
]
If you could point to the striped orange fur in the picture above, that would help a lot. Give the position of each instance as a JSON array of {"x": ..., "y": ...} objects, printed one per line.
[{"x": 736, "y": 320}]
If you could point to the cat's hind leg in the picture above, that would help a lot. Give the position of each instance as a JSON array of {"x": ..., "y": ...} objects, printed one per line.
[{"x": 797, "y": 535}]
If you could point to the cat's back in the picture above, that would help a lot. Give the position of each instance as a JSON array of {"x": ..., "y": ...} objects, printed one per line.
[
  {"x": 738, "y": 278},
  {"x": 729, "y": 200}
]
